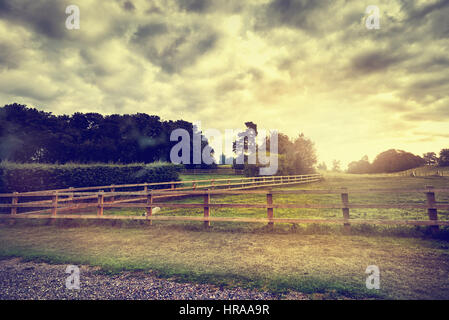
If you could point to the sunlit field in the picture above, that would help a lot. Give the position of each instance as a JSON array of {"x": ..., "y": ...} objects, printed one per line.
[
  {"x": 331, "y": 181},
  {"x": 319, "y": 260},
  {"x": 224, "y": 150}
]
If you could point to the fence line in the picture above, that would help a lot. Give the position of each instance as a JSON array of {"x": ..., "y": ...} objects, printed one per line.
[
  {"x": 173, "y": 184},
  {"x": 72, "y": 195},
  {"x": 148, "y": 196},
  {"x": 427, "y": 171}
]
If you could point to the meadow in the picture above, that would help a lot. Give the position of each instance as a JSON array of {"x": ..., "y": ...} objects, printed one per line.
[
  {"x": 323, "y": 261},
  {"x": 331, "y": 181}
]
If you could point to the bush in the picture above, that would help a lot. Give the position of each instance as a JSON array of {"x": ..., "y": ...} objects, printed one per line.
[{"x": 33, "y": 177}]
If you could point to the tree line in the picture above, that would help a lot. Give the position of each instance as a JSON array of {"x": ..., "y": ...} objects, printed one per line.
[
  {"x": 398, "y": 160},
  {"x": 30, "y": 135}
]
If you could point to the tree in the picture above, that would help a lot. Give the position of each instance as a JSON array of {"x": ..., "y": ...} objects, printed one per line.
[
  {"x": 322, "y": 166},
  {"x": 443, "y": 161},
  {"x": 395, "y": 160},
  {"x": 29, "y": 135},
  {"x": 336, "y": 166},
  {"x": 430, "y": 158},
  {"x": 361, "y": 166},
  {"x": 294, "y": 156},
  {"x": 245, "y": 146}
]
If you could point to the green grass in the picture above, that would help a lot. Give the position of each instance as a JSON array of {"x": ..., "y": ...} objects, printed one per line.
[
  {"x": 323, "y": 261},
  {"x": 332, "y": 181},
  {"x": 331, "y": 265},
  {"x": 189, "y": 177}
]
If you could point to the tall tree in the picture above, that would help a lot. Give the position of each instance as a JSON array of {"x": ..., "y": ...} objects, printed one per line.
[{"x": 443, "y": 160}]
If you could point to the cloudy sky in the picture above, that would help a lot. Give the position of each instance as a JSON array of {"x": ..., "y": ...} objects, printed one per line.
[{"x": 291, "y": 65}]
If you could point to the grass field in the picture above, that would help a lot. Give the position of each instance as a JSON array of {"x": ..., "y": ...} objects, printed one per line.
[
  {"x": 189, "y": 177},
  {"x": 322, "y": 261},
  {"x": 332, "y": 181}
]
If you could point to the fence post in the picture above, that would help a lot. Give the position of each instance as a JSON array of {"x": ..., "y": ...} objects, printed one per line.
[
  {"x": 270, "y": 208},
  {"x": 431, "y": 210},
  {"x": 71, "y": 200},
  {"x": 149, "y": 208},
  {"x": 229, "y": 184},
  {"x": 206, "y": 208},
  {"x": 113, "y": 190},
  {"x": 54, "y": 202},
  {"x": 14, "y": 201},
  {"x": 100, "y": 203},
  {"x": 194, "y": 186},
  {"x": 71, "y": 194},
  {"x": 145, "y": 187},
  {"x": 345, "y": 209},
  {"x": 172, "y": 186}
]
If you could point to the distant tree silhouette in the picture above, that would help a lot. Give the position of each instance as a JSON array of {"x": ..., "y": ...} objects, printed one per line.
[
  {"x": 430, "y": 158},
  {"x": 443, "y": 160},
  {"x": 322, "y": 166},
  {"x": 395, "y": 160},
  {"x": 361, "y": 166}
]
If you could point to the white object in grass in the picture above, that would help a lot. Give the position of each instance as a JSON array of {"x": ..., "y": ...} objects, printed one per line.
[{"x": 155, "y": 210}]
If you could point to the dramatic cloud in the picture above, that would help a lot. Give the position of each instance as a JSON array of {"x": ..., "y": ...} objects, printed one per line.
[{"x": 293, "y": 65}]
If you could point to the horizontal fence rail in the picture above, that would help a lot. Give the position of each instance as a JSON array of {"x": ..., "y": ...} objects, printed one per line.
[
  {"x": 212, "y": 183},
  {"x": 146, "y": 200},
  {"x": 69, "y": 199}
]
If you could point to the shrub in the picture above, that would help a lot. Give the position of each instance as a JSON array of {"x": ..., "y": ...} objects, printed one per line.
[{"x": 33, "y": 177}]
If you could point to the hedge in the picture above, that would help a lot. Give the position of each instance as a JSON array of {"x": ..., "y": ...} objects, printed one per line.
[{"x": 34, "y": 177}]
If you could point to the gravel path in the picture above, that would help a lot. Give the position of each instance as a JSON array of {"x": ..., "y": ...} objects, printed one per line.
[{"x": 31, "y": 280}]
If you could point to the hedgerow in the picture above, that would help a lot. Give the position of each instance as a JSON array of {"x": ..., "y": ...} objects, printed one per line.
[{"x": 33, "y": 177}]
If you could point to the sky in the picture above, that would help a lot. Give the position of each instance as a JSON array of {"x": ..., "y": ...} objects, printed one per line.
[{"x": 296, "y": 66}]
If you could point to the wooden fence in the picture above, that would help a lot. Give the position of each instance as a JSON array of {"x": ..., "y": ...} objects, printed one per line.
[
  {"x": 431, "y": 206},
  {"x": 70, "y": 199},
  {"x": 427, "y": 171}
]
